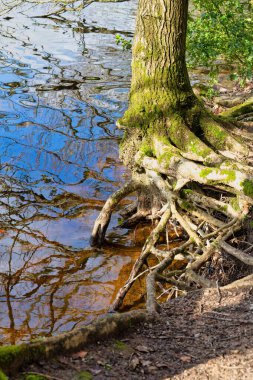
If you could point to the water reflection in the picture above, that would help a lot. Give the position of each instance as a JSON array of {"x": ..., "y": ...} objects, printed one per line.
[{"x": 62, "y": 86}]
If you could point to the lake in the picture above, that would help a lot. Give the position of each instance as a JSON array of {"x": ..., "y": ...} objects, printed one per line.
[{"x": 63, "y": 84}]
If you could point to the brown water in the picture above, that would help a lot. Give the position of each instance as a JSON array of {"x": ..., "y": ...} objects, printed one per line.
[{"x": 62, "y": 86}]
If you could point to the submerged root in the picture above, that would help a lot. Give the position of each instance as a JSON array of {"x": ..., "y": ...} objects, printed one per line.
[
  {"x": 201, "y": 188},
  {"x": 102, "y": 222}
]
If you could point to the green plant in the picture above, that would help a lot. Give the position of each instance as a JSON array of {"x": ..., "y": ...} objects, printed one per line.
[
  {"x": 220, "y": 32},
  {"x": 3, "y": 376},
  {"x": 126, "y": 44},
  {"x": 84, "y": 375}
]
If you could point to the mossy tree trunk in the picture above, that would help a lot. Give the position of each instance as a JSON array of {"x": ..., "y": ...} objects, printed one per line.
[
  {"x": 186, "y": 163},
  {"x": 160, "y": 81}
]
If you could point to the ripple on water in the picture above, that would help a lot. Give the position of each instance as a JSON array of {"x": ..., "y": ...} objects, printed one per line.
[{"x": 62, "y": 87}]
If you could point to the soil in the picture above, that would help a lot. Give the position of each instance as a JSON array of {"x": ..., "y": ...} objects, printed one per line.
[{"x": 207, "y": 334}]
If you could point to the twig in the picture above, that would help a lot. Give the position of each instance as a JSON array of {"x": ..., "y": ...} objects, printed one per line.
[
  {"x": 217, "y": 316},
  {"x": 43, "y": 375},
  {"x": 219, "y": 292}
]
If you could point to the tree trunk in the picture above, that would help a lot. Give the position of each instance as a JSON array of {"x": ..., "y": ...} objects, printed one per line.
[
  {"x": 162, "y": 101},
  {"x": 160, "y": 80}
]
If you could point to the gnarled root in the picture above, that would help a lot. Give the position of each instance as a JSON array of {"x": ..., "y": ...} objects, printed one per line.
[
  {"x": 205, "y": 186},
  {"x": 102, "y": 222},
  {"x": 149, "y": 245},
  {"x": 200, "y": 247}
]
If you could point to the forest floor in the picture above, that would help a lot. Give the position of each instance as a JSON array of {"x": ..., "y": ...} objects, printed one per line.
[{"x": 208, "y": 334}]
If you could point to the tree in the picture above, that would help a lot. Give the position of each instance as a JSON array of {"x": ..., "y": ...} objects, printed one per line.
[{"x": 182, "y": 157}]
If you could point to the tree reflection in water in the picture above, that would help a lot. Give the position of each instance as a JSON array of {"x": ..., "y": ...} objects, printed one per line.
[{"x": 61, "y": 90}]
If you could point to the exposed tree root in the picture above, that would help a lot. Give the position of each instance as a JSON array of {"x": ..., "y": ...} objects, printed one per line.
[
  {"x": 146, "y": 251},
  {"x": 204, "y": 185},
  {"x": 237, "y": 253},
  {"x": 101, "y": 224},
  {"x": 239, "y": 110}
]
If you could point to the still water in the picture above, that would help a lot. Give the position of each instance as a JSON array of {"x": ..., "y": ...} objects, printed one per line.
[{"x": 63, "y": 84}]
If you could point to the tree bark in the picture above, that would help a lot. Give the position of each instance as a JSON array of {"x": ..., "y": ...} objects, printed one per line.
[
  {"x": 160, "y": 80},
  {"x": 159, "y": 46}
]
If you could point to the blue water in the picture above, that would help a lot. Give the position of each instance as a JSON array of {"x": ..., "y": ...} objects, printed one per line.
[{"x": 63, "y": 84}]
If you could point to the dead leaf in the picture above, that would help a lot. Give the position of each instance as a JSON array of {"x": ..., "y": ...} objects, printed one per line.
[
  {"x": 152, "y": 368},
  {"x": 142, "y": 348},
  {"x": 185, "y": 358},
  {"x": 101, "y": 362},
  {"x": 63, "y": 360},
  {"x": 146, "y": 363},
  {"x": 134, "y": 363},
  {"x": 80, "y": 355},
  {"x": 162, "y": 365},
  {"x": 95, "y": 371}
]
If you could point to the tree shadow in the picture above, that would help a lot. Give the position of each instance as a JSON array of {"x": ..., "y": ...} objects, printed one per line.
[{"x": 208, "y": 332}]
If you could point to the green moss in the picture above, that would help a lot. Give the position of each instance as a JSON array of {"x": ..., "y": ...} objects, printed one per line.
[
  {"x": 185, "y": 139},
  {"x": 186, "y": 205},
  {"x": 165, "y": 159},
  {"x": 214, "y": 133},
  {"x": 234, "y": 202},
  {"x": 146, "y": 149},
  {"x": 84, "y": 375},
  {"x": 247, "y": 186},
  {"x": 151, "y": 98},
  {"x": 205, "y": 172},
  {"x": 32, "y": 376},
  {"x": 168, "y": 151},
  {"x": 3, "y": 376},
  {"x": 146, "y": 106},
  {"x": 187, "y": 191},
  {"x": 139, "y": 48},
  {"x": 119, "y": 345},
  {"x": 223, "y": 209},
  {"x": 219, "y": 135},
  {"x": 8, "y": 354},
  {"x": 199, "y": 149},
  {"x": 239, "y": 110},
  {"x": 230, "y": 174}
]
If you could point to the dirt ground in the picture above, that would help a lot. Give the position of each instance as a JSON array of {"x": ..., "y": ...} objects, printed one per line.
[{"x": 204, "y": 335}]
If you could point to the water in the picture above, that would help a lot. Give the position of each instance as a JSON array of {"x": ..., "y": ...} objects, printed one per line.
[{"x": 63, "y": 84}]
